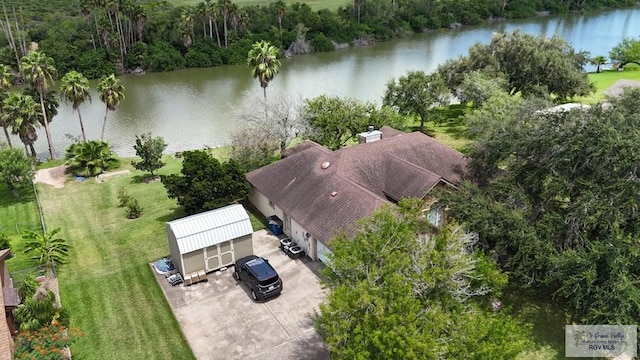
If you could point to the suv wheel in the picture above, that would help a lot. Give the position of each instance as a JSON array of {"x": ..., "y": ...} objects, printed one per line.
[{"x": 253, "y": 295}]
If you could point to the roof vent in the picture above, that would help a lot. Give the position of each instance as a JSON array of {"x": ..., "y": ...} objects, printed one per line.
[
  {"x": 325, "y": 165},
  {"x": 333, "y": 194}
]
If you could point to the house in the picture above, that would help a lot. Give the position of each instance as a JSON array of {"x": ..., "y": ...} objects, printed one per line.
[
  {"x": 9, "y": 300},
  {"x": 210, "y": 240},
  {"x": 318, "y": 192}
]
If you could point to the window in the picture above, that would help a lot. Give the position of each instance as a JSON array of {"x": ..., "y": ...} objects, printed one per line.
[{"x": 435, "y": 216}]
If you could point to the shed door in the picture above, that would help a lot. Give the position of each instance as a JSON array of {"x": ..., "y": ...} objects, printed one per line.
[{"x": 220, "y": 255}]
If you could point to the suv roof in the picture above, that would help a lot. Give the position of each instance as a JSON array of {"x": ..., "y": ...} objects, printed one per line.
[{"x": 260, "y": 268}]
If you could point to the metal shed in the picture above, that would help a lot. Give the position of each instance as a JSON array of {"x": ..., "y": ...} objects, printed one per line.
[{"x": 210, "y": 240}]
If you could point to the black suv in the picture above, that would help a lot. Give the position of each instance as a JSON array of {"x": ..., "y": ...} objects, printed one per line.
[{"x": 259, "y": 275}]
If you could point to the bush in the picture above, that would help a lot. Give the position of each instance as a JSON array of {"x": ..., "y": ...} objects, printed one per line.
[
  {"x": 27, "y": 287},
  {"x": 123, "y": 197},
  {"x": 90, "y": 158},
  {"x": 134, "y": 210},
  {"x": 138, "y": 56},
  {"x": 164, "y": 57},
  {"x": 195, "y": 59},
  {"x": 4, "y": 242},
  {"x": 321, "y": 43},
  {"x": 94, "y": 64},
  {"x": 49, "y": 342}
]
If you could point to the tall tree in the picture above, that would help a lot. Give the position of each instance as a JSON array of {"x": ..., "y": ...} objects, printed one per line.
[
  {"x": 264, "y": 63},
  {"x": 398, "y": 291},
  {"x": 225, "y": 7},
  {"x": 205, "y": 183},
  {"x": 39, "y": 70},
  {"x": 417, "y": 94},
  {"x": 22, "y": 114},
  {"x": 532, "y": 65},
  {"x": 627, "y": 51},
  {"x": 75, "y": 89},
  {"x": 111, "y": 93},
  {"x": 212, "y": 11},
  {"x": 559, "y": 204},
  {"x": 16, "y": 168},
  {"x": 149, "y": 149},
  {"x": 598, "y": 61},
  {"x": 5, "y": 85}
]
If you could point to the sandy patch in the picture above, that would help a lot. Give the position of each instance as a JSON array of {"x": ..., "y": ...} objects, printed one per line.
[{"x": 55, "y": 176}]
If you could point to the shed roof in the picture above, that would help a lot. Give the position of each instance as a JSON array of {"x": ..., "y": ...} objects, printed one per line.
[{"x": 213, "y": 227}]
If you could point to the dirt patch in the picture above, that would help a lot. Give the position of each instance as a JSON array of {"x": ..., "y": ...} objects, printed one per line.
[{"x": 55, "y": 176}]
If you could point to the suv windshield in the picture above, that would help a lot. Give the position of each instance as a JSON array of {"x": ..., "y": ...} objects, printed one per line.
[{"x": 263, "y": 271}]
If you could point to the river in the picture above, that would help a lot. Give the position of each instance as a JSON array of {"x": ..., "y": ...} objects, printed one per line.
[{"x": 194, "y": 108}]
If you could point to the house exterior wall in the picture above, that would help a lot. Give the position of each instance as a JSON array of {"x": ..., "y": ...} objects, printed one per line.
[
  {"x": 193, "y": 261},
  {"x": 174, "y": 252},
  {"x": 262, "y": 203},
  {"x": 297, "y": 234}
]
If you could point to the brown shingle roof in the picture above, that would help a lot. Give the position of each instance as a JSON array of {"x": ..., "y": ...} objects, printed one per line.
[{"x": 362, "y": 176}]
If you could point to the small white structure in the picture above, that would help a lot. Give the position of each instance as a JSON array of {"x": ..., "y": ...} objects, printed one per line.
[{"x": 210, "y": 240}]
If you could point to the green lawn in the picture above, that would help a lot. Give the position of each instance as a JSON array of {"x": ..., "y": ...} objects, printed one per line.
[
  {"x": 605, "y": 79},
  {"x": 108, "y": 286},
  {"x": 314, "y": 4}
]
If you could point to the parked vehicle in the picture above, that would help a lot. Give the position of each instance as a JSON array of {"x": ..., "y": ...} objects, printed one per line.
[{"x": 259, "y": 275}]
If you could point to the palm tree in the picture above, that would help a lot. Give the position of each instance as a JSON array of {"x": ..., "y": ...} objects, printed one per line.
[
  {"x": 21, "y": 112},
  {"x": 212, "y": 9},
  {"x": 264, "y": 63},
  {"x": 598, "y": 61},
  {"x": 5, "y": 84},
  {"x": 38, "y": 69},
  {"x": 225, "y": 7},
  {"x": 75, "y": 89},
  {"x": 111, "y": 93},
  {"x": 91, "y": 158},
  {"x": 46, "y": 248}
]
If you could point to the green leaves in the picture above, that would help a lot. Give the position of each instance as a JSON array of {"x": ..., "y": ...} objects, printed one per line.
[
  {"x": 263, "y": 59},
  {"x": 150, "y": 150},
  {"x": 91, "y": 158},
  {"x": 46, "y": 248},
  {"x": 16, "y": 168},
  {"x": 205, "y": 183},
  {"x": 627, "y": 51},
  {"x": 416, "y": 94},
  {"x": 397, "y": 293}
]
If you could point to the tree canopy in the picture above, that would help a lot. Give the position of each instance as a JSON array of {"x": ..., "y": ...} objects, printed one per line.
[
  {"x": 532, "y": 65},
  {"x": 417, "y": 94},
  {"x": 627, "y": 51},
  {"x": 149, "y": 149},
  {"x": 16, "y": 168},
  {"x": 398, "y": 292},
  {"x": 333, "y": 121},
  {"x": 559, "y": 203},
  {"x": 205, "y": 183}
]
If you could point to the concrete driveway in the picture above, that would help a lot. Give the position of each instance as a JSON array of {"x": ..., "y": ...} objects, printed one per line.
[{"x": 220, "y": 321}]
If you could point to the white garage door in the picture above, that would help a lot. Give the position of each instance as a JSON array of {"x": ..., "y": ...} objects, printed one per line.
[{"x": 323, "y": 251}]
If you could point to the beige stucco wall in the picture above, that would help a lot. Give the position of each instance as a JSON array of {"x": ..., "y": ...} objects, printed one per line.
[
  {"x": 297, "y": 234},
  {"x": 261, "y": 202}
]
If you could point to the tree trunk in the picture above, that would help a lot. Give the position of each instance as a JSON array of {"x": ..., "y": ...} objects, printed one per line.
[
  {"x": 6, "y": 133},
  {"x": 12, "y": 43},
  {"x": 210, "y": 28},
  {"x": 264, "y": 91},
  {"x": 226, "y": 38},
  {"x": 46, "y": 128},
  {"x": 33, "y": 150},
  {"x": 598, "y": 69},
  {"x": 215, "y": 24},
  {"x": 84, "y": 137},
  {"x": 104, "y": 123}
]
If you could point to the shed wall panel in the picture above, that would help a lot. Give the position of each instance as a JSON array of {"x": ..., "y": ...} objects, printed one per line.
[
  {"x": 193, "y": 261},
  {"x": 174, "y": 252},
  {"x": 242, "y": 247}
]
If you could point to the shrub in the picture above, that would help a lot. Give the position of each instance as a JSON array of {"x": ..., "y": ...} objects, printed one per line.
[
  {"x": 27, "y": 287},
  {"x": 164, "y": 57},
  {"x": 94, "y": 64},
  {"x": 321, "y": 43},
  {"x": 91, "y": 158},
  {"x": 4, "y": 242},
  {"x": 123, "y": 197},
  {"x": 49, "y": 342},
  {"x": 195, "y": 59},
  {"x": 134, "y": 210}
]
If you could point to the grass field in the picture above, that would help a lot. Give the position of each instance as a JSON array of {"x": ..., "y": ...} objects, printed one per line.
[
  {"x": 605, "y": 79},
  {"x": 314, "y": 4}
]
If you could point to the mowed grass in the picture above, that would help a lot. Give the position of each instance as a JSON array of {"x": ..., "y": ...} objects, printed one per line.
[
  {"x": 605, "y": 79},
  {"x": 314, "y": 4},
  {"x": 107, "y": 284}
]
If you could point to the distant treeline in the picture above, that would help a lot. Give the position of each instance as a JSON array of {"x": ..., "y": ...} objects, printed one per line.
[{"x": 98, "y": 37}]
